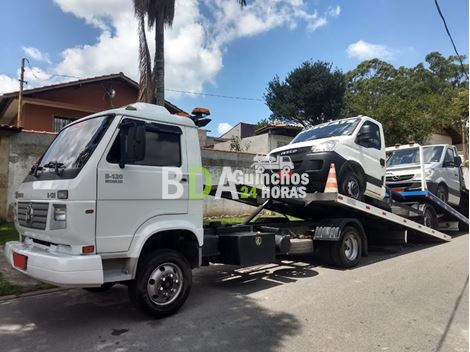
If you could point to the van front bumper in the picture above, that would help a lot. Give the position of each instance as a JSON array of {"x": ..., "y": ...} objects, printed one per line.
[{"x": 57, "y": 268}]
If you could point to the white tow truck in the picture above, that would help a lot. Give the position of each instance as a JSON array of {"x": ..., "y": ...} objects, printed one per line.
[{"x": 93, "y": 212}]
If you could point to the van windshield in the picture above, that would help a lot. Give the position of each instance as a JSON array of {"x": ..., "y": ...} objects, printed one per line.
[
  {"x": 343, "y": 127},
  {"x": 431, "y": 154},
  {"x": 73, "y": 146}
]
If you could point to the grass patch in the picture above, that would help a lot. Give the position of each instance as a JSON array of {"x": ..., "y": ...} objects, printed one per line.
[
  {"x": 240, "y": 219},
  {"x": 7, "y": 233},
  {"x": 7, "y": 288}
]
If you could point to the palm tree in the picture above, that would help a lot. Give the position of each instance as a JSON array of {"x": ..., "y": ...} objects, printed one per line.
[{"x": 159, "y": 13}]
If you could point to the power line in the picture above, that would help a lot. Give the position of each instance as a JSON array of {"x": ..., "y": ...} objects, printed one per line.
[
  {"x": 167, "y": 89},
  {"x": 451, "y": 39},
  {"x": 50, "y": 77},
  {"x": 213, "y": 95}
]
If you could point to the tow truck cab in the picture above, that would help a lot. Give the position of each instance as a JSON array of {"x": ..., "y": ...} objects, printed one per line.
[{"x": 94, "y": 202}]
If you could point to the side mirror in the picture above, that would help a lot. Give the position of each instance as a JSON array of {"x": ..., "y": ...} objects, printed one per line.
[
  {"x": 458, "y": 161},
  {"x": 132, "y": 142}
]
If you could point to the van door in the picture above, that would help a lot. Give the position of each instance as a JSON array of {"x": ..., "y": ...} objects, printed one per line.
[
  {"x": 452, "y": 177},
  {"x": 372, "y": 156},
  {"x": 128, "y": 197}
]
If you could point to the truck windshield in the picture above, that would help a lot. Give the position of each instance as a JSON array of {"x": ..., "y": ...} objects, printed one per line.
[
  {"x": 431, "y": 154},
  {"x": 73, "y": 146},
  {"x": 328, "y": 129}
]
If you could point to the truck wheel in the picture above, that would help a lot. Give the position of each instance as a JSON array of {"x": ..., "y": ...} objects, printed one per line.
[
  {"x": 442, "y": 193},
  {"x": 162, "y": 283},
  {"x": 105, "y": 287},
  {"x": 429, "y": 217},
  {"x": 347, "y": 252},
  {"x": 350, "y": 185}
]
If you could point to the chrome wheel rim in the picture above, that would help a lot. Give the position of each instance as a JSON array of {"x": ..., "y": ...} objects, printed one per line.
[
  {"x": 165, "y": 284},
  {"x": 351, "y": 247},
  {"x": 353, "y": 188}
]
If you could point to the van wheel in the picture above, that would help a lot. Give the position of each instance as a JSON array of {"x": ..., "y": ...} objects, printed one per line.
[
  {"x": 429, "y": 217},
  {"x": 347, "y": 252},
  {"x": 103, "y": 288},
  {"x": 350, "y": 185},
  {"x": 162, "y": 283},
  {"x": 442, "y": 193}
]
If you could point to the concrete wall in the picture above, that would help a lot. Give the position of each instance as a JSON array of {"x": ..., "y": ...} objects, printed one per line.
[
  {"x": 214, "y": 161},
  {"x": 4, "y": 167},
  {"x": 19, "y": 151},
  {"x": 25, "y": 150},
  {"x": 262, "y": 143}
]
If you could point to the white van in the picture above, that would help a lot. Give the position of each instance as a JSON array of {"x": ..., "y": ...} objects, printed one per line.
[
  {"x": 355, "y": 145},
  {"x": 441, "y": 170}
]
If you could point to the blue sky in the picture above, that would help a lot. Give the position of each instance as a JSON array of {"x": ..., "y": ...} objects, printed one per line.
[{"x": 212, "y": 52}]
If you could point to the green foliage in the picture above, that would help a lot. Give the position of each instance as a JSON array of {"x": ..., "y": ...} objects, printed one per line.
[
  {"x": 311, "y": 94},
  {"x": 7, "y": 233},
  {"x": 411, "y": 102},
  {"x": 237, "y": 145}
]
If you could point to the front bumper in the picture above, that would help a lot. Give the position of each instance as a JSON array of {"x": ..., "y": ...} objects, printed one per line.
[
  {"x": 57, "y": 268},
  {"x": 413, "y": 186}
]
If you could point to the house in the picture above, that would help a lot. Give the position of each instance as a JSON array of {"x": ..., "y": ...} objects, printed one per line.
[
  {"x": 240, "y": 130},
  {"x": 262, "y": 140},
  {"x": 50, "y": 108}
]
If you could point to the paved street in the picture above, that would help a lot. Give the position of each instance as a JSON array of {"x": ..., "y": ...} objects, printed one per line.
[{"x": 413, "y": 299}]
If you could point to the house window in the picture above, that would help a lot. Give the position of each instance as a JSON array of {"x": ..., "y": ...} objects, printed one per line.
[{"x": 60, "y": 122}]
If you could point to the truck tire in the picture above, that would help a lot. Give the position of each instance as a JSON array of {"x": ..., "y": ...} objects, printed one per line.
[
  {"x": 162, "y": 283},
  {"x": 350, "y": 185},
  {"x": 347, "y": 252},
  {"x": 103, "y": 288},
  {"x": 442, "y": 193},
  {"x": 429, "y": 217}
]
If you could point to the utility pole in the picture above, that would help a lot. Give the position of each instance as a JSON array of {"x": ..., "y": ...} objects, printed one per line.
[{"x": 20, "y": 96}]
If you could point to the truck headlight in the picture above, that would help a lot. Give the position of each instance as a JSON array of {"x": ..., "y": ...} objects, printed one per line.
[
  {"x": 428, "y": 173},
  {"x": 327, "y": 146},
  {"x": 60, "y": 212}
]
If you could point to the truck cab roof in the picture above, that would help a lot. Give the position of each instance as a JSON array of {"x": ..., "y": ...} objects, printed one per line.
[{"x": 148, "y": 112}]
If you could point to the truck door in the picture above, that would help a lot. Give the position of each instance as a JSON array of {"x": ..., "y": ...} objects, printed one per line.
[
  {"x": 128, "y": 197},
  {"x": 372, "y": 156},
  {"x": 452, "y": 177}
]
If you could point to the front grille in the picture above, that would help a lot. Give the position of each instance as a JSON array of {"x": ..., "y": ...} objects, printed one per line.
[
  {"x": 399, "y": 178},
  {"x": 33, "y": 215}
]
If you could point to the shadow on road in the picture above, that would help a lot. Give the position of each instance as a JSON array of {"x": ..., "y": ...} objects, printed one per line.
[{"x": 75, "y": 320}]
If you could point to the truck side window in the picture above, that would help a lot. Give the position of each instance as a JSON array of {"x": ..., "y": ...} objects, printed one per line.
[
  {"x": 163, "y": 147},
  {"x": 375, "y": 142}
]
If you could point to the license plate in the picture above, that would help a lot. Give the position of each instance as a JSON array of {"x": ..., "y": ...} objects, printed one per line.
[{"x": 20, "y": 261}]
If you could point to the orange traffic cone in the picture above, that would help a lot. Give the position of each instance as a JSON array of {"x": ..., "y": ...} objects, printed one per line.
[{"x": 331, "y": 183}]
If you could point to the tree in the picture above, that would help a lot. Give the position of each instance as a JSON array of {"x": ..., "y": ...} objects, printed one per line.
[
  {"x": 159, "y": 13},
  {"x": 410, "y": 102},
  {"x": 311, "y": 94},
  {"x": 237, "y": 144}
]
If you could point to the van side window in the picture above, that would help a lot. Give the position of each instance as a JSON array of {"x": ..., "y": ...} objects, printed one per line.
[
  {"x": 375, "y": 131},
  {"x": 449, "y": 158},
  {"x": 163, "y": 146}
]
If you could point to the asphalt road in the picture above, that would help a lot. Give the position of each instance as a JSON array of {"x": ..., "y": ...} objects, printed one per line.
[{"x": 412, "y": 299}]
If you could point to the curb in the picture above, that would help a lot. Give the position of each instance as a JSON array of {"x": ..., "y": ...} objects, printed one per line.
[{"x": 32, "y": 293}]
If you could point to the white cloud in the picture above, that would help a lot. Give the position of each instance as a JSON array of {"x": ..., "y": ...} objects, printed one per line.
[
  {"x": 223, "y": 127},
  {"x": 365, "y": 51},
  {"x": 36, "y": 54},
  {"x": 194, "y": 46},
  {"x": 8, "y": 84},
  {"x": 334, "y": 11}
]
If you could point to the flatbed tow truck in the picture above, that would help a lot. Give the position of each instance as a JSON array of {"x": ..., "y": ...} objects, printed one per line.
[{"x": 102, "y": 219}]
